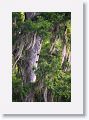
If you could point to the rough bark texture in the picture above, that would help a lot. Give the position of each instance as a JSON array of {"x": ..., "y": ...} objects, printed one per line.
[
  {"x": 33, "y": 52},
  {"x": 33, "y": 58},
  {"x": 28, "y": 60},
  {"x": 54, "y": 38},
  {"x": 45, "y": 94},
  {"x": 66, "y": 55},
  {"x": 31, "y": 15},
  {"x": 64, "y": 49}
]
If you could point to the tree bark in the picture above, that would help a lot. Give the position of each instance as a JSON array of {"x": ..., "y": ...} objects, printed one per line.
[
  {"x": 33, "y": 57},
  {"x": 64, "y": 49},
  {"x": 31, "y": 15}
]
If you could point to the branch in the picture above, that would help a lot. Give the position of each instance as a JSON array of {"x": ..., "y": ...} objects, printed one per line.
[
  {"x": 19, "y": 54},
  {"x": 30, "y": 15}
]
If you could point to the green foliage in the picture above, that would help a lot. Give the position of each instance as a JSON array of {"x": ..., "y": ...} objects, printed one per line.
[
  {"x": 49, "y": 70},
  {"x": 16, "y": 86},
  {"x": 19, "y": 90},
  {"x": 40, "y": 26}
]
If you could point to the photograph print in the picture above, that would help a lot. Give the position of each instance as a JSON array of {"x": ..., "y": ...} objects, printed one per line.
[{"x": 41, "y": 56}]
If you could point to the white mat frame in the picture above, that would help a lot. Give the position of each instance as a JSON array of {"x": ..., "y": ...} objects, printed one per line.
[{"x": 76, "y": 104}]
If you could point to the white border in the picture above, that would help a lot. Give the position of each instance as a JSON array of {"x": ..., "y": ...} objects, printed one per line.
[{"x": 76, "y": 104}]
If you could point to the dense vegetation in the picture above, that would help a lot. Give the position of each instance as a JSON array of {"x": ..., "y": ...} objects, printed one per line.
[{"x": 48, "y": 79}]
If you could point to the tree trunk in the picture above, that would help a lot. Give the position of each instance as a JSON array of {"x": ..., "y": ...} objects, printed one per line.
[
  {"x": 45, "y": 94},
  {"x": 49, "y": 96},
  {"x": 32, "y": 60},
  {"x": 64, "y": 48}
]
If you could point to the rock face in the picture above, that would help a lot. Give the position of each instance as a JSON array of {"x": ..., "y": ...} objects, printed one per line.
[{"x": 34, "y": 53}]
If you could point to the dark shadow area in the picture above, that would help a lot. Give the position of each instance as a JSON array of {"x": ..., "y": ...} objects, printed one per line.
[
  {"x": 42, "y": 115},
  {"x": 84, "y": 57}
]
